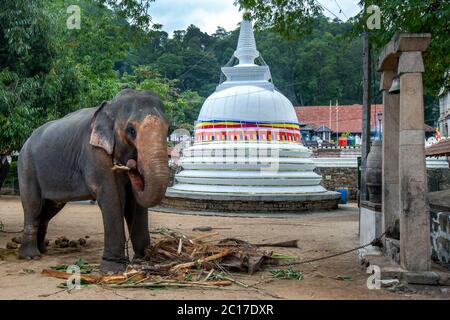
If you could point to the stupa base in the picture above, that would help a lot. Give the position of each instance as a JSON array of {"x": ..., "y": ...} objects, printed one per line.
[{"x": 269, "y": 203}]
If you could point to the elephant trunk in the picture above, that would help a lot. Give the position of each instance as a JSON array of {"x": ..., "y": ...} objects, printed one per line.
[{"x": 150, "y": 175}]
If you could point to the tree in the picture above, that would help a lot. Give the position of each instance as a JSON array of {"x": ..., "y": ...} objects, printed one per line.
[
  {"x": 194, "y": 59},
  {"x": 416, "y": 16},
  {"x": 317, "y": 68},
  {"x": 47, "y": 70},
  {"x": 181, "y": 108},
  {"x": 290, "y": 18},
  {"x": 26, "y": 51},
  {"x": 170, "y": 65},
  {"x": 293, "y": 18},
  {"x": 135, "y": 11}
]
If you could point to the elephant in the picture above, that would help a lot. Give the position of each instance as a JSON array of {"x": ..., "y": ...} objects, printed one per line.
[{"x": 115, "y": 154}]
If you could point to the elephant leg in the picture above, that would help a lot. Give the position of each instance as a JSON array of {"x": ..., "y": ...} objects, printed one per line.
[
  {"x": 114, "y": 259},
  {"x": 49, "y": 210},
  {"x": 137, "y": 222},
  {"x": 32, "y": 206}
]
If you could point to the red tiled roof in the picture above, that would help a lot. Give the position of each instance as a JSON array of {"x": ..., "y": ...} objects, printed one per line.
[{"x": 350, "y": 116}]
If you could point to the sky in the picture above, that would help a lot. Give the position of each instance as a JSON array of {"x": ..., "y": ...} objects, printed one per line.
[{"x": 208, "y": 14}]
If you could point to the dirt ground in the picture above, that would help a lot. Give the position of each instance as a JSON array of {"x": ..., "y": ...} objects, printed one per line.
[{"x": 319, "y": 234}]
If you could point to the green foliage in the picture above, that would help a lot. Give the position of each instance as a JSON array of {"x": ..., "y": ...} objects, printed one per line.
[
  {"x": 85, "y": 267},
  {"x": 295, "y": 19},
  {"x": 416, "y": 16},
  {"x": 344, "y": 278},
  {"x": 19, "y": 112},
  {"x": 181, "y": 108},
  {"x": 136, "y": 11},
  {"x": 26, "y": 51},
  {"x": 318, "y": 68},
  {"x": 287, "y": 274},
  {"x": 309, "y": 71},
  {"x": 47, "y": 70},
  {"x": 288, "y": 17}
]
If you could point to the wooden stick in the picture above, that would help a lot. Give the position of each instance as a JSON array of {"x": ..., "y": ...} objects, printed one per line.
[
  {"x": 180, "y": 246},
  {"x": 113, "y": 279},
  {"x": 92, "y": 279},
  {"x": 129, "y": 278},
  {"x": 209, "y": 284},
  {"x": 166, "y": 253},
  {"x": 158, "y": 267},
  {"x": 65, "y": 275},
  {"x": 145, "y": 279},
  {"x": 236, "y": 281},
  {"x": 201, "y": 261},
  {"x": 209, "y": 274}
]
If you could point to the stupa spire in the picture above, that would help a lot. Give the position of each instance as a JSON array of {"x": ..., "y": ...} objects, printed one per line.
[{"x": 246, "y": 50}]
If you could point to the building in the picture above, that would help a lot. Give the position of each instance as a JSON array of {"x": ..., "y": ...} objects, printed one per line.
[
  {"x": 444, "y": 113},
  {"x": 336, "y": 120},
  {"x": 326, "y": 123},
  {"x": 247, "y": 154}
]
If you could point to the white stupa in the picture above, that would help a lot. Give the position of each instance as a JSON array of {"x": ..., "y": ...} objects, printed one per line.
[{"x": 248, "y": 145}]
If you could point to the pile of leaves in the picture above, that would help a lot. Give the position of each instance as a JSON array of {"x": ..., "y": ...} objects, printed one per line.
[{"x": 175, "y": 260}]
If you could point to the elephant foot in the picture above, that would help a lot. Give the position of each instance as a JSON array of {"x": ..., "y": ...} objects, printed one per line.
[
  {"x": 43, "y": 245},
  {"x": 108, "y": 266},
  {"x": 43, "y": 248},
  {"x": 29, "y": 251}
]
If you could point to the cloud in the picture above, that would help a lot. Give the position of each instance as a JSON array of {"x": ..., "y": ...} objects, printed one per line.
[
  {"x": 209, "y": 14},
  {"x": 205, "y": 14}
]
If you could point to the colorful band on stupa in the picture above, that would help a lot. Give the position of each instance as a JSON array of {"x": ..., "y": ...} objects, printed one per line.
[{"x": 220, "y": 130}]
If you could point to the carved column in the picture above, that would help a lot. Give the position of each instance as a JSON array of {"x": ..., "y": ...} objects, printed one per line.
[{"x": 415, "y": 251}]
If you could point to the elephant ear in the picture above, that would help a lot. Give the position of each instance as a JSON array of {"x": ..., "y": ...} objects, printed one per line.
[{"x": 102, "y": 134}]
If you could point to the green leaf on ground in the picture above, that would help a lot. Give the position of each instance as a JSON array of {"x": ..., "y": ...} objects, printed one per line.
[
  {"x": 287, "y": 274},
  {"x": 188, "y": 277},
  {"x": 344, "y": 278},
  {"x": 25, "y": 270},
  {"x": 85, "y": 268}
]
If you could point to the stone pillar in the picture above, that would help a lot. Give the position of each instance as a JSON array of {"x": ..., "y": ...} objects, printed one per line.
[
  {"x": 390, "y": 184},
  {"x": 415, "y": 250},
  {"x": 447, "y": 129}
]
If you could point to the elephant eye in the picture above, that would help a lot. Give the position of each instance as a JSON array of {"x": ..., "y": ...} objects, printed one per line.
[{"x": 131, "y": 131}]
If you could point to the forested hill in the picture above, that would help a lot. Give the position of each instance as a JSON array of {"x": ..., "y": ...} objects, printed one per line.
[
  {"x": 48, "y": 70},
  {"x": 323, "y": 66}
]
